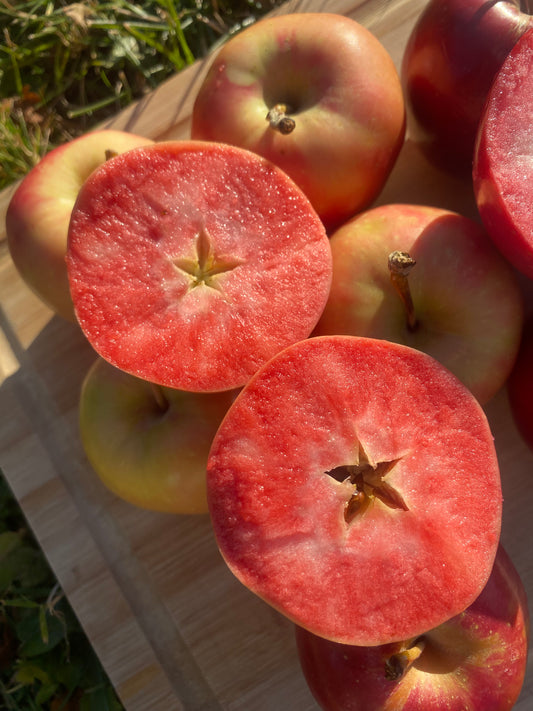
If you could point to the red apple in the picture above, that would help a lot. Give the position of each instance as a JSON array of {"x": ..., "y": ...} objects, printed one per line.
[
  {"x": 502, "y": 173},
  {"x": 466, "y": 305},
  {"x": 192, "y": 263},
  {"x": 149, "y": 444},
  {"x": 475, "y": 661},
  {"x": 520, "y": 386},
  {"x": 353, "y": 485},
  {"x": 39, "y": 212},
  {"x": 334, "y": 101},
  {"x": 451, "y": 57}
]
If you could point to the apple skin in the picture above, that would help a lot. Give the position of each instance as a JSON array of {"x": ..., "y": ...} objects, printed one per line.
[
  {"x": 351, "y": 560},
  {"x": 38, "y": 214},
  {"x": 520, "y": 386},
  {"x": 466, "y": 297},
  {"x": 476, "y": 660},
  {"x": 346, "y": 97},
  {"x": 450, "y": 60},
  {"x": 149, "y": 444},
  {"x": 502, "y": 158}
]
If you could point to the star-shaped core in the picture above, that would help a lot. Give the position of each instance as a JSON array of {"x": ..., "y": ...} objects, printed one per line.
[
  {"x": 204, "y": 268},
  {"x": 368, "y": 481}
]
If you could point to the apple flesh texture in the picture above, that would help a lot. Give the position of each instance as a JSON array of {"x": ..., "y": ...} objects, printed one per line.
[
  {"x": 520, "y": 386},
  {"x": 342, "y": 90},
  {"x": 475, "y": 661},
  {"x": 38, "y": 214},
  {"x": 450, "y": 60},
  {"x": 149, "y": 444},
  {"x": 466, "y": 298},
  {"x": 192, "y": 263},
  {"x": 502, "y": 171},
  {"x": 420, "y": 548}
]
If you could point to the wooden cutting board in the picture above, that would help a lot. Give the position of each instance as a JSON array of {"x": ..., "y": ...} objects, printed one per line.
[{"x": 172, "y": 627}]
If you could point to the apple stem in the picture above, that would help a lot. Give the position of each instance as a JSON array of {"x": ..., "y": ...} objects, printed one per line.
[
  {"x": 397, "y": 664},
  {"x": 110, "y": 153},
  {"x": 278, "y": 119},
  {"x": 400, "y": 264},
  {"x": 159, "y": 397}
]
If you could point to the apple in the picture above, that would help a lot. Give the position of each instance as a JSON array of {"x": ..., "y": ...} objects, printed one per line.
[
  {"x": 502, "y": 160},
  {"x": 354, "y": 486},
  {"x": 450, "y": 60},
  {"x": 465, "y": 304},
  {"x": 520, "y": 386},
  {"x": 149, "y": 444},
  {"x": 191, "y": 263},
  {"x": 38, "y": 214},
  {"x": 315, "y": 93},
  {"x": 476, "y": 660}
]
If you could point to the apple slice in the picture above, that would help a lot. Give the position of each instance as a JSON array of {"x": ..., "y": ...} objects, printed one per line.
[
  {"x": 354, "y": 486},
  {"x": 476, "y": 660},
  {"x": 503, "y": 158},
  {"x": 192, "y": 263}
]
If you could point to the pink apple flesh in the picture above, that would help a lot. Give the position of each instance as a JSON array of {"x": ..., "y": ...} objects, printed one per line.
[
  {"x": 466, "y": 299},
  {"x": 192, "y": 263},
  {"x": 503, "y": 160},
  {"x": 354, "y": 486},
  {"x": 476, "y": 660}
]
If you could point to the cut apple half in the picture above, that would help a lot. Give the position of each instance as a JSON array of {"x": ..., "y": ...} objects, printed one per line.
[
  {"x": 192, "y": 263},
  {"x": 354, "y": 486}
]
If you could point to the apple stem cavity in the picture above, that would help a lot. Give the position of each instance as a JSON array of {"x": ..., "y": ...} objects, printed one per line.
[
  {"x": 279, "y": 120},
  {"x": 400, "y": 264},
  {"x": 397, "y": 665}
]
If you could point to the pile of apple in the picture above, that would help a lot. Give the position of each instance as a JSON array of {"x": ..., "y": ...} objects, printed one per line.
[{"x": 319, "y": 364}]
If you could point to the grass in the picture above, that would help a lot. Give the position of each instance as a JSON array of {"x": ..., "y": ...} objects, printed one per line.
[{"x": 64, "y": 68}]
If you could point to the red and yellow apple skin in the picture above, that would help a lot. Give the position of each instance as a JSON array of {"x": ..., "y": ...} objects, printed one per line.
[
  {"x": 354, "y": 486},
  {"x": 467, "y": 301},
  {"x": 149, "y": 444},
  {"x": 520, "y": 386},
  {"x": 342, "y": 90},
  {"x": 38, "y": 214},
  {"x": 450, "y": 60},
  {"x": 476, "y": 660},
  {"x": 191, "y": 263},
  {"x": 501, "y": 173}
]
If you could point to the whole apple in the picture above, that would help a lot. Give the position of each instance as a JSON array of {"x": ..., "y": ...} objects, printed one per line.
[
  {"x": 502, "y": 174},
  {"x": 449, "y": 63},
  {"x": 475, "y": 661},
  {"x": 354, "y": 486},
  {"x": 520, "y": 386},
  {"x": 38, "y": 214},
  {"x": 191, "y": 263},
  {"x": 317, "y": 94},
  {"x": 465, "y": 304},
  {"x": 149, "y": 444}
]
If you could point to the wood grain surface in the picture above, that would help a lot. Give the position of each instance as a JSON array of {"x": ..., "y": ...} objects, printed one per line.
[{"x": 172, "y": 627}]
